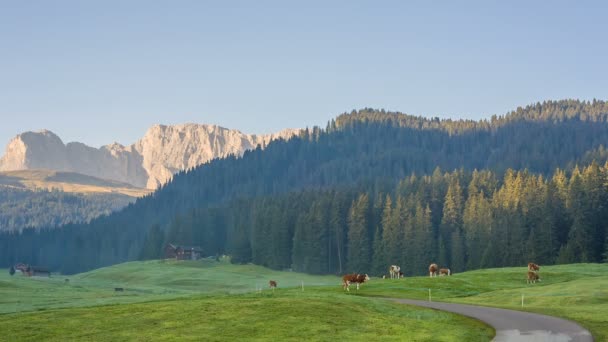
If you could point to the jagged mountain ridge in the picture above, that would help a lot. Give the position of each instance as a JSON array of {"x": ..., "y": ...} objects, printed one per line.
[{"x": 148, "y": 163}]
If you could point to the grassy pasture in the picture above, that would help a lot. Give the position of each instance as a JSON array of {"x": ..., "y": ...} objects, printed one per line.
[
  {"x": 143, "y": 281},
  {"x": 218, "y": 301},
  {"x": 168, "y": 300},
  {"x": 578, "y": 292},
  {"x": 285, "y": 315}
]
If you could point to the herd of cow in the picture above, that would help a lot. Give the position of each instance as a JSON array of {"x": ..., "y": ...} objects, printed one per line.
[
  {"x": 396, "y": 273},
  {"x": 434, "y": 270}
]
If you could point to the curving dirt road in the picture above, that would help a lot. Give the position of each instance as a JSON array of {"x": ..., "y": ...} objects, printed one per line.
[{"x": 513, "y": 325}]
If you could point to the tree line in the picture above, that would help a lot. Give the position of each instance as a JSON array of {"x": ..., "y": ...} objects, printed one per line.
[
  {"x": 461, "y": 220},
  {"x": 366, "y": 151}
]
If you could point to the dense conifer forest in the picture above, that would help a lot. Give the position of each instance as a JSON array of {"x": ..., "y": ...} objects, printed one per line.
[
  {"x": 370, "y": 189},
  {"x": 24, "y": 209}
]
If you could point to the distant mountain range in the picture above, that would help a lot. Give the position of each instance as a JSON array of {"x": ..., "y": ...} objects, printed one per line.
[{"x": 148, "y": 163}]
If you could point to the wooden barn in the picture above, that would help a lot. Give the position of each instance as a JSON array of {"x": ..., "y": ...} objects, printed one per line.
[{"x": 183, "y": 252}]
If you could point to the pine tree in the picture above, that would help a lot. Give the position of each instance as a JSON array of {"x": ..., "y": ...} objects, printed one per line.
[
  {"x": 423, "y": 236},
  {"x": 152, "y": 248},
  {"x": 580, "y": 239},
  {"x": 391, "y": 232},
  {"x": 358, "y": 236},
  {"x": 452, "y": 220},
  {"x": 379, "y": 256}
]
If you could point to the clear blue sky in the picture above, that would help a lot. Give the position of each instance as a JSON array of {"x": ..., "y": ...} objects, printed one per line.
[{"x": 104, "y": 71}]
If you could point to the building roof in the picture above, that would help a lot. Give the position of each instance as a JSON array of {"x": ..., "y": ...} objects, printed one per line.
[{"x": 185, "y": 248}]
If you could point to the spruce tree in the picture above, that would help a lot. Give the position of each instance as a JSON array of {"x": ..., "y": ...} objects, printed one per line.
[{"x": 359, "y": 253}]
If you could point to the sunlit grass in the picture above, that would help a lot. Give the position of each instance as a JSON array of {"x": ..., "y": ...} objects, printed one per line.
[{"x": 231, "y": 306}]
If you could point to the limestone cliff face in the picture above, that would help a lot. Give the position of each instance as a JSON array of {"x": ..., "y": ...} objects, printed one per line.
[{"x": 150, "y": 162}]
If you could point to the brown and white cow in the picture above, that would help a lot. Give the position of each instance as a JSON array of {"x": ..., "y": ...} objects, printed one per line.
[
  {"x": 533, "y": 267},
  {"x": 445, "y": 271},
  {"x": 533, "y": 277},
  {"x": 433, "y": 270},
  {"x": 353, "y": 278},
  {"x": 394, "y": 271},
  {"x": 272, "y": 284}
]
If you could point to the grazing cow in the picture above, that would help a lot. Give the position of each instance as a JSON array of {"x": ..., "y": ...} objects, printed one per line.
[
  {"x": 394, "y": 270},
  {"x": 353, "y": 278},
  {"x": 119, "y": 289},
  {"x": 433, "y": 270},
  {"x": 445, "y": 271},
  {"x": 401, "y": 275},
  {"x": 273, "y": 284},
  {"x": 533, "y": 267},
  {"x": 533, "y": 277}
]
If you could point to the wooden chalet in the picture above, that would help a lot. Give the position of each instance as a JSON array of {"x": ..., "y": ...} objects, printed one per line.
[
  {"x": 32, "y": 271},
  {"x": 183, "y": 252}
]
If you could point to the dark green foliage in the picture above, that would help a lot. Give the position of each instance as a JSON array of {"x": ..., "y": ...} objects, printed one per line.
[
  {"x": 22, "y": 209},
  {"x": 280, "y": 205},
  {"x": 359, "y": 246},
  {"x": 153, "y": 245}
]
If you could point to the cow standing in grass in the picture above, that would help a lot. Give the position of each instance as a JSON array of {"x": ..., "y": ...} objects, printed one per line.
[
  {"x": 533, "y": 267},
  {"x": 354, "y": 278},
  {"x": 445, "y": 271},
  {"x": 272, "y": 284},
  {"x": 395, "y": 271},
  {"x": 533, "y": 277},
  {"x": 433, "y": 270}
]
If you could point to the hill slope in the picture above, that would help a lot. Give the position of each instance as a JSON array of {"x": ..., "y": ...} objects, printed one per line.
[
  {"x": 45, "y": 198},
  {"x": 574, "y": 291},
  {"x": 362, "y": 152},
  {"x": 69, "y": 182}
]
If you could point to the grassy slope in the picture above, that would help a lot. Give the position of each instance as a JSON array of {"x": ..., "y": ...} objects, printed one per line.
[
  {"x": 143, "y": 281},
  {"x": 318, "y": 313},
  {"x": 67, "y": 182},
  {"x": 284, "y": 315},
  {"x": 578, "y": 292}
]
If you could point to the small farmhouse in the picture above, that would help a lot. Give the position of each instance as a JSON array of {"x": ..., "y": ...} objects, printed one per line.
[
  {"x": 32, "y": 271},
  {"x": 183, "y": 252}
]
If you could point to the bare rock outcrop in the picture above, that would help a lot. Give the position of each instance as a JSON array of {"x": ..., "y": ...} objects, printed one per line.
[{"x": 150, "y": 162}]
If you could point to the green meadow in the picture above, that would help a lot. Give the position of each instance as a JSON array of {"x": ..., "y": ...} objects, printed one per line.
[
  {"x": 168, "y": 300},
  {"x": 578, "y": 292},
  {"x": 143, "y": 281}
]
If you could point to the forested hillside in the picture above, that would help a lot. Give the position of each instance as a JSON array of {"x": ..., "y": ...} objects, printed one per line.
[
  {"x": 461, "y": 220},
  {"x": 23, "y": 209},
  {"x": 351, "y": 169}
]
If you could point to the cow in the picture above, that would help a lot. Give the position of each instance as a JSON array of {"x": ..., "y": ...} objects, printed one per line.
[
  {"x": 445, "y": 271},
  {"x": 394, "y": 270},
  {"x": 433, "y": 270},
  {"x": 353, "y": 278},
  {"x": 533, "y": 267},
  {"x": 401, "y": 275},
  {"x": 533, "y": 277},
  {"x": 272, "y": 284}
]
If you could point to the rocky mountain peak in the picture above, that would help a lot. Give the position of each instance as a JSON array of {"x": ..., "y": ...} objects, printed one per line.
[{"x": 150, "y": 162}]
